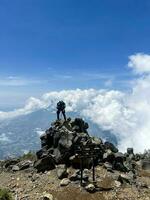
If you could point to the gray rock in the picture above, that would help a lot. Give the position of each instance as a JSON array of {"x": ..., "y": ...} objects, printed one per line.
[
  {"x": 57, "y": 155},
  {"x": 64, "y": 182},
  {"x": 108, "y": 166},
  {"x": 131, "y": 156},
  {"x": 90, "y": 188},
  {"x": 25, "y": 164},
  {"x": 86, "y": 171},
  {"x": 74, "y": 177},
  {"x": 46, "y": 163},
  {"x": 10, "y": 162},
  {"x": 120, "y": 167},
  {"x": 96, "y": 141},
  {"x": 130, "y": 151},
  {"x": 61, "y": 171},
  {"x": 80, "y": 125},
  {"x": 65, "y": 140},
  {"x": 119, "y": 157},
  {"x": 15, "y": 168},
  {"x": 109, "y": 156},
  {"x": 117, "y": 184},
  {"x": 109, "y": 145}
]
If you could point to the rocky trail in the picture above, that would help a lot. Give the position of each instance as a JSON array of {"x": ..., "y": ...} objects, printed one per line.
[{"x": 26, "y": 185}]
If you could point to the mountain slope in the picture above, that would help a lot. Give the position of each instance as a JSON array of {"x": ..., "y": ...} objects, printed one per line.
[{"x": 21, "y": 134}]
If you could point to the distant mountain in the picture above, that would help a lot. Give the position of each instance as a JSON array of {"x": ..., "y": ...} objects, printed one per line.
[{"x": 21, "y": 134}]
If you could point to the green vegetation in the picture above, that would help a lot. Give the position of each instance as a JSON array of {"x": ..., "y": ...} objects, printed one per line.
[
  {"x": 28, "y": 156},
  {"x": 5, "y": 195}
]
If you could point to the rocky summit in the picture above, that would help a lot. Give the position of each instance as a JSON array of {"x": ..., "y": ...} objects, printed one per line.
[
  {"x": 72, "y": 163},
  {"x": 63, "y": 140},
  {"x": 67, "y": 142}
]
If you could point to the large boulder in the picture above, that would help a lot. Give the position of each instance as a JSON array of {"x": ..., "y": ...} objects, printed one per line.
[
  {"x": 79, "y": 125},
  {"x": 15, "y": 168},
  {"x": 118, "y": 163},
  {"x": 109, "y": 145},
  {"x": 25, "y": 164},
  {"x": 109, "y": 156},
  {"x": 46, "y": 163},
  {"x": 10, "y": 162},
  {"x": 61, "y": 171},
  {"x": 130, "y": 151},
  {"x": 57, "y": 156},
  {"x": 65, "y": 140}
]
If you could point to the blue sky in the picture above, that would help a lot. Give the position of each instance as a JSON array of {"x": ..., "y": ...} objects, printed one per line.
[{"x": 65, "y": 44}]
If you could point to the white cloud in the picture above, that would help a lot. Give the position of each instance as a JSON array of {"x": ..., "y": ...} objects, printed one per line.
[
  {"x": 39, "y": 131},
  {"x": 32, "y": 105},
  {"x": 140, "y": 63},
  {"x": 127, "y": 115},
  {"x": 17, "y": 81},
  {"x": 111, "y": 110}
]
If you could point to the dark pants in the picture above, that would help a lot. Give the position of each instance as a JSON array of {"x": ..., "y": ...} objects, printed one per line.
[{"x": 63, "y": 112}]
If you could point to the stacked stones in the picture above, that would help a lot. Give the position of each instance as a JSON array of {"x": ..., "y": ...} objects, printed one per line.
[{"x": 61, "y": 141}]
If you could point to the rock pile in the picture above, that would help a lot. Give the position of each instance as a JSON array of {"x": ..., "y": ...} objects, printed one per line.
[{"x": 60, "y": 144}]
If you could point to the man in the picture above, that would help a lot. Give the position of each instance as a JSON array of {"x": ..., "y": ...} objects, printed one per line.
[{"x": 61, "y": 108}]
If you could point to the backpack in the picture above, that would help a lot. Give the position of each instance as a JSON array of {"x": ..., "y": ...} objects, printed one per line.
[{"x": 61, "y": 105}]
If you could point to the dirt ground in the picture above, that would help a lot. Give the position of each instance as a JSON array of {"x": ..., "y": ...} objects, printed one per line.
[{"x": 26, "y": 185}]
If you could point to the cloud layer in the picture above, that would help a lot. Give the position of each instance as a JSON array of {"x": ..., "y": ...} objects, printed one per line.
[
  {"x": 140, "y": 63},
  {"x": 127, "y": 115}
]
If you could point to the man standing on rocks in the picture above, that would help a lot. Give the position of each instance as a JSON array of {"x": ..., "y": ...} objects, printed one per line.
[{"x": 61, "y": 109}]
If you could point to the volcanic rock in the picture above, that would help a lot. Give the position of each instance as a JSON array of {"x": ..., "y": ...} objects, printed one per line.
[
  {"x": 109, "y": 145},
  {"x": 25, "y": 164},
  {"x": 15, "y": 168},
  {"x": 43, "y": 164},
  {"x": 90, "y": 188},
  {"x": 61, "y": 171},
  {"x": 62, "y": 142},
  {"x": 64, "y": 182},
  {"x": 68, "y": 143}
]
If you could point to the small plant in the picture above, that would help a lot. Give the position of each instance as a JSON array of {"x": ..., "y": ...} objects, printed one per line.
[
  {"x": 5, "y": 195},
  {"x": 28, "y": 156}
]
